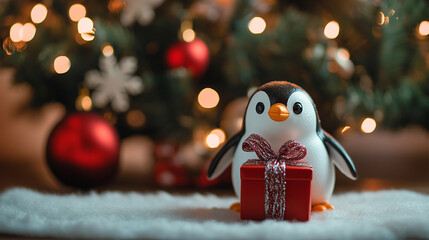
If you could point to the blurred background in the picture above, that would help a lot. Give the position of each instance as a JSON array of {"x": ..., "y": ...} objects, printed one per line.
[{"x": 167, "y": 83}]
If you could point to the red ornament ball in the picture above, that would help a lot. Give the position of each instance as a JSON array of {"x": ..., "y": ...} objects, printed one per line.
[
  {"x": 83, "y": 150},
  {"x": 194, "y": 56}
]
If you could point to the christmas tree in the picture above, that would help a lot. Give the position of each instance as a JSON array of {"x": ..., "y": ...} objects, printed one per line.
[{"x": 171, "y": 69}]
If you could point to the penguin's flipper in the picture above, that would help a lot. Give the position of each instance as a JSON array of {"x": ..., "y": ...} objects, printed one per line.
[
  {"x": 340, "y": 157},
  {"x": 224, "y": 157}
]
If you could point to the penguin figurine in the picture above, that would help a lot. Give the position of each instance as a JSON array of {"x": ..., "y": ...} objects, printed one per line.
[{"x": 280, "y": 111}]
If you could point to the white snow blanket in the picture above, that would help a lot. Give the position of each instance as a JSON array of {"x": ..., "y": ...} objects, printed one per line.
[{"x": 394, "y": 214}]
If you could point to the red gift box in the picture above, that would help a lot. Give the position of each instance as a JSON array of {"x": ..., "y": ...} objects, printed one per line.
[
  {"x": 275, "y": 185},
  {"x": 297, "y": 197}
]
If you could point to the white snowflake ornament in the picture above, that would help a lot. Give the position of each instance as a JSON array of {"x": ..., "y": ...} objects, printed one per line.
[
  {"x": 139, "y": 10},
  {"x": 114, "y": 82}
]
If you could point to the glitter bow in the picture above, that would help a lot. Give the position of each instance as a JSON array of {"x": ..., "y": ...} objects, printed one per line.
[{"x": 275, "y": 170}]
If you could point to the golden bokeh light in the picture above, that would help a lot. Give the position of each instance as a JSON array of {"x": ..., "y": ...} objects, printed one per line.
[
  {"x": 345, "y": 129},
  {"x": 61, "y": 64},
  {"x": 368, "y": 125},
  {"x": 19, "y": 32},
  {"x": 188, "y": 35},
  {"x": 380, "y": 18},
  {"x": 332, "y": 30},
  {"x": 343, "y": 54},
  {"x": 77, "y": 12},
  {"x": 28, "y": 31},
  {"x": 38, "y": 13},
  {"x": 220, "y": 133},
  {"x": 208, "y": 98},
  {"x": 110, "y": 117},
  {"x": 16, "y": 32},
  {"x": 85, "y": 25},
  {"x": 386, "y": 20},
  {"x": 212, "y": 140},
  {"x": 86, "y": 103},
  {"x": 83, "y": 101},
  {"x": 136, "y": 118},
  {"x": 424, "y": 28},
  {"x": 257, "y": 25},
  {"x": 107, "y": 50},
  {"x": 89, "y": 36},
  {"x": 115, "y": 6}
]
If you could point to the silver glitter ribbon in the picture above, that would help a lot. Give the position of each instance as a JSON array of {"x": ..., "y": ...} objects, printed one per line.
[{"x": 275, "y": 170}]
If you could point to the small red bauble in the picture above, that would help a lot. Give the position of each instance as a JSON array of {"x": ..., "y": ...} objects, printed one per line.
[
  {"x": 83, "y": 150},
  {"x": 194, "y": 56}
]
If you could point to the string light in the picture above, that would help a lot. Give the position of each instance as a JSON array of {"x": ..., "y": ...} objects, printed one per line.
[
  {"x": 61, "y": 64},
  {"x": 188, "y": 35},
  {"x": 136, "y": 118},
  {"x": 368, "y": 125},
  {"x": 110, "y": 117},
  {"x": 212, "y": 141},
  {"x": 28, "y": 31},
  {"x": 83, "y": 101},
  {"x": 380, "y": 18},
  {"x": 220, "y": 133},
  {"x": 19, "y": 32},
  {"x": 208, "y": 98},
  {"x": 424, "y": 28},
  {"x": 115, "y": 6},
  {"x": 85, "y": 25},
  {"x": 15, "y": 32},
  {"x": 38, "y": 13},
  {"x": 215, "y": 138},
  {"x": 89, "y": 36},
  {"x": 86, "y": 103},
  {"x": 345, "y": 129},
  {"x": 186, "y": 32},
  {"x": 107, "y": 50},
  {"x": 77, "y": 12},
  {"x": 343, "y": 54},
  {"x": 257, "y": 25},
  {"x": 332, "y": 30}
]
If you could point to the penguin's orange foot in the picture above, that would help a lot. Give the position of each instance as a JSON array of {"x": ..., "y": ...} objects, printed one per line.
[
  {"x": 235, "y": 207},
  {"x": 321, "y": 207}
]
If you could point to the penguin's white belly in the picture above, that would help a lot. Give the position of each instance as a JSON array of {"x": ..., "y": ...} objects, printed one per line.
[{"x": 323, "y": 181}]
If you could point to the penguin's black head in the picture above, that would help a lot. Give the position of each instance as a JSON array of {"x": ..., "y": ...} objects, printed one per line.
[{"x": 279, "y": 108}]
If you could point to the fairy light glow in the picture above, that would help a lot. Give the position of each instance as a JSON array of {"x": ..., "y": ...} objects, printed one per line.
[
  {"x": 345, "y": 129},
  {"x": 332, "y": 30},
  {"x": 86, "y": 103},
  {"x": 61, "y": 64},
  {"x": 28, "y": 31},
  {"x": 15, "y": 32},
  {"x": 213, "y": 140},
  {"x": 107, "y": 50},
  {"x": 380, "y": 18},
  {"x": 85, "y": 25},
  {"x": 19, "y": 32},
  {"x": 77, "y": 12},
  {"x": 343, "y": 54},
  {"x": 257, "y": 25},
  {"x": 188, "y": 35},
  {"x": 424, "y": 28},
  {"x": 88, "y": 36},
  {"x": 208, "y": 98},
  {"x": 38, "y": 13},
  {"x": 220, "y": 133},
  {"x": 368, "y": 125},
  {"x": 136, "y": 118}
]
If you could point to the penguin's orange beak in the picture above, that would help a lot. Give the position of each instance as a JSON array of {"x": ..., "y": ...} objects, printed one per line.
[{"x": 278, "y": 112}]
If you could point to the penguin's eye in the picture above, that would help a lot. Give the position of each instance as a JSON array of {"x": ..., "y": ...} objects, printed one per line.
[
  {"x": 297, "y": 108},
  {"x": 260, "y": 108}
]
